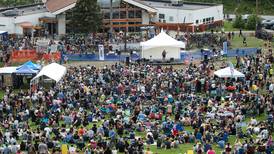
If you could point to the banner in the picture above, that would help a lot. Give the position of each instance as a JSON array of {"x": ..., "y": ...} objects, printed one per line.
[
  {"x": 225, "y": 48},
  {"x": 101, "y": 52}
]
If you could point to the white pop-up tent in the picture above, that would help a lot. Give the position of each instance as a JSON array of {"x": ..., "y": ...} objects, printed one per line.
[
  {"x": 7, "y": 70},
  {"x": 52, "y": 71},
  {"x": 153, "y": 48},
  {"x": 229, "y": 72}
]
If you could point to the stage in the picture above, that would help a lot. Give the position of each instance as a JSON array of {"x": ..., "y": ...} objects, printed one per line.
[{"x": 161, "y": 62}]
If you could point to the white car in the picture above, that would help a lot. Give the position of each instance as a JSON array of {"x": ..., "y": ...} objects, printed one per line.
[
  {"x": 265, "y": 22},
  {"x": 268, "y": 24}
]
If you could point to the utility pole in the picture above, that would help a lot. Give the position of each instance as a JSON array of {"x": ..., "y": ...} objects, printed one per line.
[{"x": 257, "y": 15}]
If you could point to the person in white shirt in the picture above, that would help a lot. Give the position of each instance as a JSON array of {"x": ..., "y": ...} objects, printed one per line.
[
  {"x": 72, "y": 150},
  {"x": 271, "y": 87}
]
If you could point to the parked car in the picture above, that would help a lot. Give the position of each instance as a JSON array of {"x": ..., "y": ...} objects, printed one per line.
[
  {"x": 272, "y": 28},
  {"x": 268, "y": 24},
  {"x": 262, "y": 34}
]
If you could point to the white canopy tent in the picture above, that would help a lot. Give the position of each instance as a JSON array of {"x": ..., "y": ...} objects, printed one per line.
[
  {"x": 229, "y": 72},
  {"x": 7, "y": 70},
  {"x": 53, "y": 71},
  {"x": 153, "y": 48}
]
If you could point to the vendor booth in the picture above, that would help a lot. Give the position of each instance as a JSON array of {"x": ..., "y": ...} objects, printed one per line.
[
  {"x": 30, "y": 65},
  {"x": 52, "y": 72},
  {"x": 6, "y": 76},
  {"x": 22, "y": 75},
  {"x": 154, "y": 48},
  {"x": 229, "y": 72},
  {"x": 15, "y": 76},
  {"x": 3, "y": 35}
]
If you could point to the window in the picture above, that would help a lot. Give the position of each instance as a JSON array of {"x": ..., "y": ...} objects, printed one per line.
[
  {"x": 207, "y": 20},
  {"x": 131, "y": 14},
  {"x": 139, "y": 14},
  {"x": 123, "y": 14},
  {"x": 115, "y": 15},
  {"x": 171, "y": 18},
  {"x": 162, "y": 16},
  {"x": 107, "y": 15},
  {"x": 197, "y": 21}
]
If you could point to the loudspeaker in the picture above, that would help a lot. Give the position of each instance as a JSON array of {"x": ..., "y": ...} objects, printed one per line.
[{"x": 127, "y": 61}]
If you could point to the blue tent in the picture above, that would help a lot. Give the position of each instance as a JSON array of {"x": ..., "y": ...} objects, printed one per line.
[
  {"x": 30, "y": 65},
  {"x": 25, "y": 70}
]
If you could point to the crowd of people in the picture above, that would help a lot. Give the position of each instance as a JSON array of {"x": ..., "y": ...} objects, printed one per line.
[{"x": 129, "y": 109}]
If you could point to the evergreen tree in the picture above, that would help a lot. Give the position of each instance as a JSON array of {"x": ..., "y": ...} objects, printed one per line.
[{"x": 85, "y": 17}]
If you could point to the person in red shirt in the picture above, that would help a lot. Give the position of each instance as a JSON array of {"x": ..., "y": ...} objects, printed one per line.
[{"x": 211, "y": 151}]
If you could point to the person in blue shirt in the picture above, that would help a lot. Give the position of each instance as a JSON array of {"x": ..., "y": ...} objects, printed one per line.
[
  {"x": 199, "y": 136},
  {"x": 112, "y": 134},
  {"x": 221, "y": 144}
]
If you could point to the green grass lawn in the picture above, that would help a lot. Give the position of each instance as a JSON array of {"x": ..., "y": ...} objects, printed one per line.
[
  {"x": 228, "y": 27},
  {"x": 237, "y": 42}
]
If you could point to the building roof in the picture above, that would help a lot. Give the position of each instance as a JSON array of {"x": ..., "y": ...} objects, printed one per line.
[
  {"x": 59, "y": 6},
  {"x": 185, "y": 5},
  {"x": 142, "y": 5},
  {"x": 23, "y": 10}
]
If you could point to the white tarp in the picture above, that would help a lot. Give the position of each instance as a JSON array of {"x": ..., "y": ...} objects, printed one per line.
[
  {"x": 7, "y": 70},
  {"x": 229, "y": 72},
  {"x": 153, "y": 48},
  {"x": 53, "y": 71}
]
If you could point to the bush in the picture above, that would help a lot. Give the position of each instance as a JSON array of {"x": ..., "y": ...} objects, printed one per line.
[
  {"x": 251, "y": 22},
  {"x": 239, "y": 22}
]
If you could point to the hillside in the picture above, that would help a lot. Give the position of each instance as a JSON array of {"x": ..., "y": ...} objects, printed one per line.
[{"x": 243, "y": 6}]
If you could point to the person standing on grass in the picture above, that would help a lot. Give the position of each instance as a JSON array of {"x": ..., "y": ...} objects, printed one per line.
[
  {"x": 211, "y": 151},
  {"x": 244, "y": 41},
  {"x": 232, "y": 34},
  {"x": 240, "y": 33}
]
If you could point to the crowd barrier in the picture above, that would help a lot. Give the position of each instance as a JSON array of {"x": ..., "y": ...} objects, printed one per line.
[
  {"x": 25, "y": 55},
  {"x": 95, "y": 57}
]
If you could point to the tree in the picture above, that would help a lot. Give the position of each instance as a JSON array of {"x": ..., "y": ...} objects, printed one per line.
[
  {"x": 239, "y": 22},
  {"x": 85, "y": 17},
  {"x": 251, "y": 22}
]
